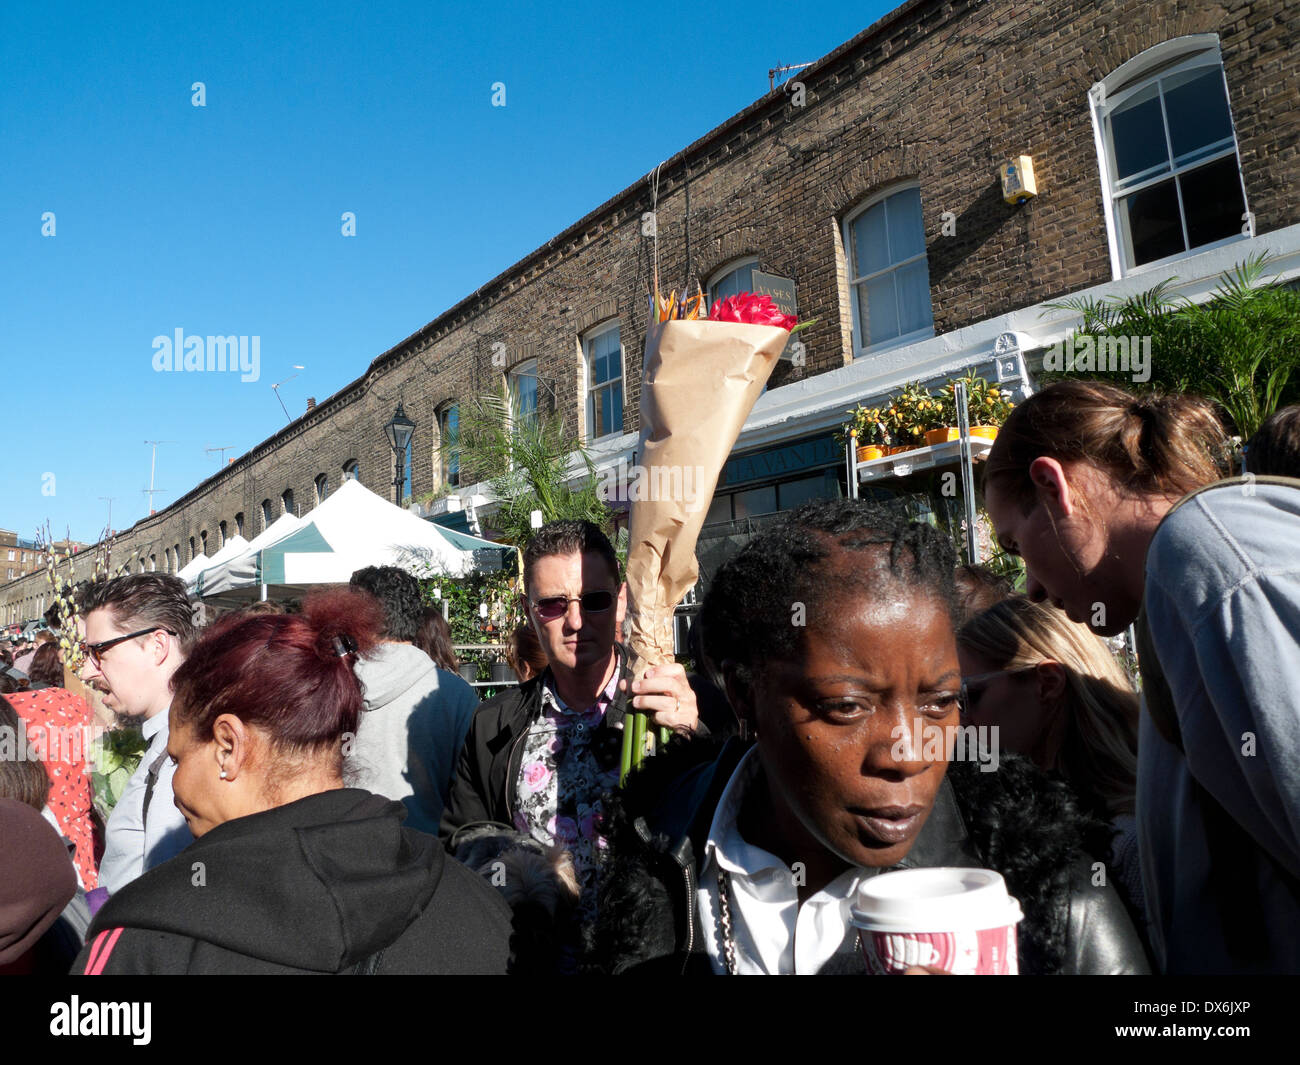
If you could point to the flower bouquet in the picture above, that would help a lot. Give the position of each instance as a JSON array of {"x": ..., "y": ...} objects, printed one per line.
[{"x": 700, "y": 379}]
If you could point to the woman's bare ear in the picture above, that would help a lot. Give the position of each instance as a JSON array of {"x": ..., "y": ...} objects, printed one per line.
[{"x": 1052, "y": 484}]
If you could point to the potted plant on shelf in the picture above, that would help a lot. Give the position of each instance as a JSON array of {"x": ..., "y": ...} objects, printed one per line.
[
  {"x": 987, "y": 407},
  {"x": 866, "y": 427},
  {"x": 909, "y": 414}
]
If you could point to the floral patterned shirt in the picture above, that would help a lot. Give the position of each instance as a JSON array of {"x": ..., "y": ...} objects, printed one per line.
[{"x": 561, "y": 781}]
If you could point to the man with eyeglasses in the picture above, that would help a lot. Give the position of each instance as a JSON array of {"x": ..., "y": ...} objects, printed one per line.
[
  {"x": 137, "y": 630},
  {"x": 539, "y": 757}
]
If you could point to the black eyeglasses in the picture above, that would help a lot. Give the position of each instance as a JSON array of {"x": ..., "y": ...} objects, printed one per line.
[
  {"x": 554, "y": 606},
  {"x": 95, "y": 651}
]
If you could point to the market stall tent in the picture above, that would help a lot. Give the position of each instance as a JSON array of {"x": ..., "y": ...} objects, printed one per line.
[
  {"x": 352, "y": 529},
  {"x": 240, "y": 570}
]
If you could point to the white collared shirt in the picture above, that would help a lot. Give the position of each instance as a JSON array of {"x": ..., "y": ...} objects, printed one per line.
[
  {"x": 773, "y": 933},
  {"x": 130, "y": 845}
]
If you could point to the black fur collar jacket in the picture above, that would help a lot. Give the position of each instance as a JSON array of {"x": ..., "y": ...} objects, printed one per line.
[{"x": 1015, "y": 820}]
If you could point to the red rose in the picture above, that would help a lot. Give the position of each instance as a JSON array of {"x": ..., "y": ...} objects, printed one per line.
[{"x": 752, "y": 310}]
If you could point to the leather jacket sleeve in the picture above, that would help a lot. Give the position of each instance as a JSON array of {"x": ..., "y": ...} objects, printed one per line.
[{"x": 1100, "y": 937}]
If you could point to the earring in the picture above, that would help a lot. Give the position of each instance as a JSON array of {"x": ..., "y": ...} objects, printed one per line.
[{"x": 223, "y": 774}]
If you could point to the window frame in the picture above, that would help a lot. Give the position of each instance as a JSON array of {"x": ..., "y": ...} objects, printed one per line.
[
  {"x": 321, "y": 487},
  {"x": 588, "y": 408},
  {"x": 513, "y": 374},
  {"x": 725, "y": 270},
  {"x": 1136, "y": 75},
  {"x": 861, "y": 350},
  {"x": 445, "y": 472}
]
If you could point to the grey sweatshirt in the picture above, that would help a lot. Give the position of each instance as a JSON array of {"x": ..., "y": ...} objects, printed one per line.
[
  {"x": 411, "y": 732},
  {"x": 1223, "y": 604}
]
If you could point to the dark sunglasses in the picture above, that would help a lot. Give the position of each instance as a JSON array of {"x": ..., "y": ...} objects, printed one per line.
[
  {"x": 96, "y": 650},
  {"x": 554, "y": 606}
]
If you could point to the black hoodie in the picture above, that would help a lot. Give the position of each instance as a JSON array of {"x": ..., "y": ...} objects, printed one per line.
[{"x": 320, "y": 885}]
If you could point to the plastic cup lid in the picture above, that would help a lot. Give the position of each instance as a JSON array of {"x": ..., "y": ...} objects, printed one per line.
[{"x": 935, "y": 900}]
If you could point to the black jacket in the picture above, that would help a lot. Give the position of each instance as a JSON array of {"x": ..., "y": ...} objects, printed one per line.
[
  {"x": 486, "y": 786},
  {"x": 1014, "y": 820},
  {"x": 330, "y": 883}
]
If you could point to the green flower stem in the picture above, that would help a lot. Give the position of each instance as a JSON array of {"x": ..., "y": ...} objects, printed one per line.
[{"x": 625, "y": 759}]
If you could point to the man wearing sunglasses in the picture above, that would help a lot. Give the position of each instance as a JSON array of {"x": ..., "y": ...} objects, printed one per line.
[
  {"x": 137, "y": 629},
  {"x": 538, "y": 758}
]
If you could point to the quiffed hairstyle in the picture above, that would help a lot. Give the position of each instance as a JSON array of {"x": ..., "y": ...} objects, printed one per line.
[
  {"x": 282, "y": 672},
  {"x": 568, "y": 538},
  {"x": 138, "y": 600},
  {"x": 1275, "y": 447},
  {"x": 1150, "y": 444},
  {"x": 747, "y": 613},
  {"x": 1099, "y": 753},
  {"x": 399, "y": 596}
]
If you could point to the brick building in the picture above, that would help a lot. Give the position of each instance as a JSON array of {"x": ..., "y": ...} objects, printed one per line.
[
  {"x": 1163, "y": 135},
  {"x": 18, "y": 557}
]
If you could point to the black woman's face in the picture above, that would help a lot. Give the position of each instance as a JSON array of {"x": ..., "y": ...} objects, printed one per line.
[{"x": 838, "y": 725}]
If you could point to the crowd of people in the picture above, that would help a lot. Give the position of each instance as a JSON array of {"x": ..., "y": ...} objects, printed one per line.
[{"x": 320, "y": 792}]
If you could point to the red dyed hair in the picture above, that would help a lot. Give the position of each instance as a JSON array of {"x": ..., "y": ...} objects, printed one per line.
[{"x": 282, "y": 672}]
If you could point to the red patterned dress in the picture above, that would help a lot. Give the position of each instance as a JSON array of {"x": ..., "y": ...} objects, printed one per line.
[{"x": 60, "y": 727}]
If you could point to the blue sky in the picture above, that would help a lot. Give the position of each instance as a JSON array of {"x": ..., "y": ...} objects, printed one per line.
[{"x": 225, "y": 219}]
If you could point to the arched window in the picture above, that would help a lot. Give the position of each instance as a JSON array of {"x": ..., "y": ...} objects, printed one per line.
[
  {"x": 193, "y": 556},
  {"x": 322, "y": 488},
  {"x": 884, "y": 242},
  {"x": 286, "y": 502},
  {"x": 522, "y": 384},
  {"x": 732, "y": 280},
  {"x": 351, "y": 471},
  {"x": 448, "y": 431},
  {"x": 239, "y": 524},
  {"x": 602, "y": 354},
  {"x": 221, "y": 528},
  {"x": 1170, "y": 173},
  {"x": 153, "y": 563},
  {"x": 268, "y": 515}
]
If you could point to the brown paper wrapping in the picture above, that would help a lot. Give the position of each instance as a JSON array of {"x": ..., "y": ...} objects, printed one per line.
[{"x": 699, "y": 383}]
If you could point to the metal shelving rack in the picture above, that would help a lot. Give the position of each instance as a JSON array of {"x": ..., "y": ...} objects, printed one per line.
[{"x": 962, "y": 453}]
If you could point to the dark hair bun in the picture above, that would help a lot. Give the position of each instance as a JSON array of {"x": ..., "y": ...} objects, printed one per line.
[{"x": 344, "y": 621}]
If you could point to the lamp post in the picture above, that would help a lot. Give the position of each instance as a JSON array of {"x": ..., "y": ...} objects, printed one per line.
[{"x": 399, "y": 432}]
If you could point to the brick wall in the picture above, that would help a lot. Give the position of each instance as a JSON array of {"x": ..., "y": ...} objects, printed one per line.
[{"x": 939, "y": 92}]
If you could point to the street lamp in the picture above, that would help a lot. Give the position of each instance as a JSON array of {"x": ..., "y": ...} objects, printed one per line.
[{"x": 399, "y": 432}]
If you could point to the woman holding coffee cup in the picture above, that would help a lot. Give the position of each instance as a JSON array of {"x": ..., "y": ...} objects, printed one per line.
[{"x": 833, "y": 633}]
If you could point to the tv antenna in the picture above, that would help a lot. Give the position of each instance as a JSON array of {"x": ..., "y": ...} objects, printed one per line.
[
  {"x": 276, "y": 389},
  {"x": 153, "y": 465},
  {"x": 222, "y": 450}
]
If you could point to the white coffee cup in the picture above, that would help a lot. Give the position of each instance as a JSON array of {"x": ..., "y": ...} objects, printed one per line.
[{"x": 959, "y": 920}]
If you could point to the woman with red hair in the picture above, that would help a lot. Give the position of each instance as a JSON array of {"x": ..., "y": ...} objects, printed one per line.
[{"x": 290, "y": 871}]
